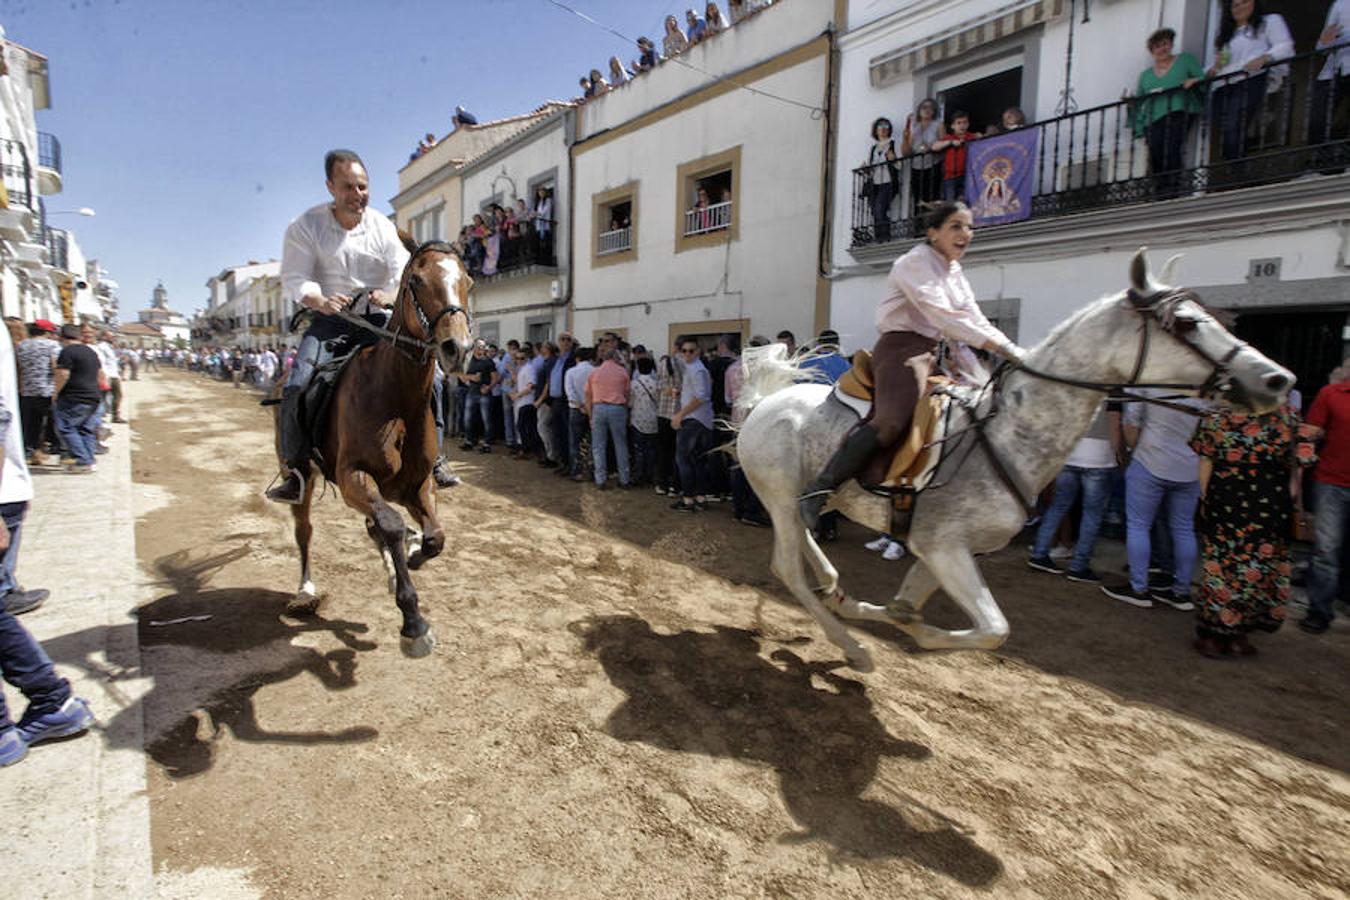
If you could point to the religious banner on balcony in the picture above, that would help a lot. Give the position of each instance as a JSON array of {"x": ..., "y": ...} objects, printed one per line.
[{"x": 1000, "y": 174}]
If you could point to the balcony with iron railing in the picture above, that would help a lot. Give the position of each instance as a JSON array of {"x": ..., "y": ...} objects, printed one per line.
[
  {"x": 532, "y": 250},
  {"x": 49, "y": 164},
  {"x": 705, "y": 219},
  {"x": 1251, "y": 133},
  {"x": 57, "y": 242},
  {"x": 17, "y": 173},
  {"x": 616, "y": 240}
]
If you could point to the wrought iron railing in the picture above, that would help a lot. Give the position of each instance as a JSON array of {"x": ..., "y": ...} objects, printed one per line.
[
  {"x": 49, "y": 151},
  {"x": 57, "y": 241},
  {"x": 17, "y": 172},
  {"x": 708, "y": 218},
  {"x": 534, "y": 246},
  {"x": 615, "y": 241},
  {"x": 1257, "y": 128}
]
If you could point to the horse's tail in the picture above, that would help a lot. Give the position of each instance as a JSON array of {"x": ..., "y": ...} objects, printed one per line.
[{"x": 770, "y": 369}]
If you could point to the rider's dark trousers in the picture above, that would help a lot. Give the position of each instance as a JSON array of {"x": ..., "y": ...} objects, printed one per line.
[{"x": 897, "y": 385}]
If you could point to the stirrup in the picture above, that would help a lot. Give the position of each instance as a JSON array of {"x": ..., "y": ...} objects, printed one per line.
[{"x": 274, "y": 490}]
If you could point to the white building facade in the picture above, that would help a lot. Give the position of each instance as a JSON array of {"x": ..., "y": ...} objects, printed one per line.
[
  {"x": 697, "y": 189},
  {"x": 526, "y": 297},
  {"x": 244, "y": 307},
  {"x": 1266, "y": 236}
]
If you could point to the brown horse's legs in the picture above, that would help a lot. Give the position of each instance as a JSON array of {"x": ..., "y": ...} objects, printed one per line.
[
  {"x": 306, "y": 599},
  {"x": 362, "y": 494},
  {"x": 423, "y": 508}
]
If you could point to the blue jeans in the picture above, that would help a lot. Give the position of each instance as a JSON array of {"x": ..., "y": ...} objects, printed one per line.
[
  {"x": 77, "y": 423},
  {"x": 311, "y": 354},
  {"x": 578, "y": 427},
  {"x": 12, "y": 514},
  {"x": 24, "y": 665},
  {"x": 477, "y": 406},
  {"x": 1144, "y": 494},
  {"x": 691, "y": 448},
  {"x": 1095, "y": 485},
  {"x": 1324, "y": 578},
  {"x": 609, "y": 420},
  {"x": 644, "y": 454}
]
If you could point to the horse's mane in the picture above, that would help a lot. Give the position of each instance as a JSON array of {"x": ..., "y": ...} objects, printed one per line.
[{"x": 770, "y": 369}]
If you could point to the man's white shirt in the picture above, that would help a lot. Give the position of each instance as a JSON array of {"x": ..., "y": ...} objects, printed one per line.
[{"x": 319, "y": 256}]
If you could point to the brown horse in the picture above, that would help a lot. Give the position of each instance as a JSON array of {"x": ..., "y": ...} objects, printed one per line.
[{"x": 379, "y": 444}]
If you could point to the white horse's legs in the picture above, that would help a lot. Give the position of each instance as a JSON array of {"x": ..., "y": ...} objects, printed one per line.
[
  {"x": 916, "y": 590},
  {"x": 788, "y": 550},
  {"x": 956, "y": 571}
]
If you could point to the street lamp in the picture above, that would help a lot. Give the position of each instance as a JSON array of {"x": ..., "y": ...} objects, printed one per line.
[{"x": 82, "y": 211}]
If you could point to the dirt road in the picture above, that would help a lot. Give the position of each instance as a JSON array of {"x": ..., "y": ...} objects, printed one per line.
[{"x": 624, "y": 704}]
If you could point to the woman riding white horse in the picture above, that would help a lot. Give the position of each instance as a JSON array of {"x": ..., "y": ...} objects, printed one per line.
[{"x": 929, "y": 299}]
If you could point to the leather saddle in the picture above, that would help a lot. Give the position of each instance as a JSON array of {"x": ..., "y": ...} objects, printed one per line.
[
  {"x": 317, "y": 398},
  {"x": 909, "y": 465}
]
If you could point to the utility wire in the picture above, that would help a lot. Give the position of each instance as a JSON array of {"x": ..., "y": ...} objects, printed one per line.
[{"x": 816, "y": 111}]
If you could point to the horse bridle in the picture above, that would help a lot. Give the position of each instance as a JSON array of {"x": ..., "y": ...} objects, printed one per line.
[
  {"x": 426, "y": 345},
  {"x": 1160, "y": 307}
]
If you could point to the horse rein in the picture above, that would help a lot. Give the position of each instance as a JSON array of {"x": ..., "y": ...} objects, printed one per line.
[
  {"x": 426, "y": 345},
  {"x": 1160, "y": 307}
]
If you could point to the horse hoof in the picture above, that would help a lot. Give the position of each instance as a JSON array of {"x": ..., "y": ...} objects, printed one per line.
[
  {"x": 302, "y": 604},
  {"x": 415, "y": 560},
  {"x": 418, "y": 647}
]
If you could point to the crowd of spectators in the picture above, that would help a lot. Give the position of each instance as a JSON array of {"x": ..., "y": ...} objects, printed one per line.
[
  {"x": 1212, "y": 502},
  {"x": 617, "y": 415},
  {"x": 675, "y": 41},
  {"x": 502, "y": 238}
]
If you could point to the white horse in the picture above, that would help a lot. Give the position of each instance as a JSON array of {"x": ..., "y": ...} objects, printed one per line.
[{"x": 1150, "y": 334}]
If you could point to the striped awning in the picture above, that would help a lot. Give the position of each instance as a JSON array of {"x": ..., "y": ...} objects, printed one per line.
[{"x": 963, "y": 38}]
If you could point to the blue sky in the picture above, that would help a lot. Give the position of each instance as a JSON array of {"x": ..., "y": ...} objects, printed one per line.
[{"x": 196, "y": 128}]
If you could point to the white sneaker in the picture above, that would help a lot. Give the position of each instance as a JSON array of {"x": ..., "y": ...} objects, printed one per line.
[
  {"x": 1061, "y": 553},
  {"x": 894, "y": 550},
  {"x": 878, "y": 544}
]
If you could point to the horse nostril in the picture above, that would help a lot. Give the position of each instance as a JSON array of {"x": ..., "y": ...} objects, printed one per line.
[
  {"x": 451, "y": 348},
  {"x": 1277, "y": 382}
]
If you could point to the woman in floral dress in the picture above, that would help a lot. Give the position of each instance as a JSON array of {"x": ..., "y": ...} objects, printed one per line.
[{"x": 1250, "y": 471}]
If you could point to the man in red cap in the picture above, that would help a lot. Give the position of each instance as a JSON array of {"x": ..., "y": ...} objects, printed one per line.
[{"x": 36, "y": 359}]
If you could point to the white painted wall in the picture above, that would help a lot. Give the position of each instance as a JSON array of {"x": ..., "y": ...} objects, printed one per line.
[{"x": 768, "y": 275}]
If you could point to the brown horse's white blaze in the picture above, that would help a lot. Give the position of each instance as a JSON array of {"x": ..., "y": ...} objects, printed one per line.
[{"x": 381, "y": 441}]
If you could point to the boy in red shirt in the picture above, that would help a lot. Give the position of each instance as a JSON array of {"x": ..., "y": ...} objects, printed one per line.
[
  {"x": 1331, "y": 491},
  {"x": 954, "y": 157}
]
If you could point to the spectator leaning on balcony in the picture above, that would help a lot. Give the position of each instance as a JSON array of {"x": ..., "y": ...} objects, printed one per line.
[
  {"x": 1334, "y": 80},
  {"x": 1165, "y": 104},
  {"x": 598, "y": 84},
  {"x": 954, "y": 159},
  {"x": 1249, "y": 40},
  {"x": 674, "y": 43},
  {"x": 647, "y": 58},
  {"x": 713, "y": 16},
  {"x": 923, "y": 129},
  {"x": 879, "y": 188},
  {"x": 1012, "y": 119},
  {"x": 698, "y": 29},
  {"x": 617, "y": 73}
]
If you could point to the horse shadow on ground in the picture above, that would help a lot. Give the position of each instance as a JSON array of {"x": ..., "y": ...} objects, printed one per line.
[
  {"x": 713, "y": 693},
  {"x": 242, "y": 621}
]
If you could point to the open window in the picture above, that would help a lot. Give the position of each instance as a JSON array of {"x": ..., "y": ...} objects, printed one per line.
[
  {"x": 708, "y": 190},
  {"x": 614, "y": 225}
]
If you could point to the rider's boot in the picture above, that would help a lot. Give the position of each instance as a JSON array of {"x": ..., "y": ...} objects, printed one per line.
[
  {"x": 858, "y": 446},
  {"x": 291, "y": 488}
]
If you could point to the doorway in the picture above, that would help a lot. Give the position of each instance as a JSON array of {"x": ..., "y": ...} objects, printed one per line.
[
  {"x": 984, "y": 99},
  {"x": 1309, "y": 344}
]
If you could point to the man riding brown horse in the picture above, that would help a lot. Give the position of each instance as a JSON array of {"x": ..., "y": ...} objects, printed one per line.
[{"x": 331, "y": 252}]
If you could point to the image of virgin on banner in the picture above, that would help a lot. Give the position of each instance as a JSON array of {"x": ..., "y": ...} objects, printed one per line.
[{"x": 1000, "y": 177}]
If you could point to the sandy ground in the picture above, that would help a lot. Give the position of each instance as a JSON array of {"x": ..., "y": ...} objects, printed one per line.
[{"x": 624, "y": 704}]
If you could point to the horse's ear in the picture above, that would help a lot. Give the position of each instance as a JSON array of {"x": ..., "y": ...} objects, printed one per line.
[
  {"x": 1169, "y": 269},
  {"x": 407, "y": 240},
  {"x": 1139, "y": 276}
]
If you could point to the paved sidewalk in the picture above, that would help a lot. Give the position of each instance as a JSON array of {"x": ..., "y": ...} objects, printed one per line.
[{"x": 77, "y": 819}]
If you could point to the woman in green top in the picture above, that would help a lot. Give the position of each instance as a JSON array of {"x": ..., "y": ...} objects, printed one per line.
[{"x": 1166, "y": 103}]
